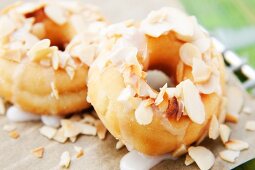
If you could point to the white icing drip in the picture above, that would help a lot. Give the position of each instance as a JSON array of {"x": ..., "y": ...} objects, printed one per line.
[
  {"x": 15, "y": 114},
  {"x": 138, "y": 161},
  {"x": 52, "y": 121}
]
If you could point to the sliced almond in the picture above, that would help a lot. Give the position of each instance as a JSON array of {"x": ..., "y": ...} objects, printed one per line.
[
  {"x": 38, "y": 152},
  {"x": 101, "y": 130},
  {"x": 119, "y": 145},
  {"x": 56, "y": 14},
  {"x": 88, "y": 119},
  {"x": 48, "y": 132},
  {"x": 65, "y": 160},
  {"x": 188, "y": 160},
  {"x": 229, "y": 155},
  {"x": 214, "y": 128},
  {"x": 38, "y": 47},
  {"x": 235, "y": 103},
  {"x": 9, "y": 127},
  {"x": 70, "y": 71},
  {"x": 86, "y": 53},
  {"x": 224, "y": 133},
  {"x": 126, "y": 93},
  {"x": 60, "y": 137},
  {"x": 79, "y": 151},
  {"x": 200, "y": 70},
  {"x": 7, "y": 26},
  {"x": 187, "y": 52},
  {"x": 160, "y": 96},
  {"x": 55, "y": 92},
  {"x": 181, "y": 150},
  {"x": 236, "y": 145},
  {"x": 250, "y": 125},
  {"x": 73, "y": 139},
  {"x": 192, "y": 102},
  {"x": 233, "y": 118},
  {"x": 144, "y": 114},
  {"x": 38, "y": 29},
  {"x": 70, "y": 128},
  {"x": 203, "y": 157},
  {"x": 14, "y": 134},
  {"x": 203, "y": 44},
  {"x": 87, "y": 129},
  {"x": 211, "y": 86},
  {"x": 2, "y": 107}
]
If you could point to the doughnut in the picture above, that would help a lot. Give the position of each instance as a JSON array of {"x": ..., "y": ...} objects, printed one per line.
[
  {"x": 46, "y": 48},
  {"x": 171, "y": 118}
]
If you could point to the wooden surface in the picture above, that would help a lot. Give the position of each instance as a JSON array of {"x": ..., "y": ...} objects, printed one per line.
[{"x": 16, "y": 154}]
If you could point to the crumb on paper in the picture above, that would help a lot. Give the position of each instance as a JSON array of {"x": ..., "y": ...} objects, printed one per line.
[
  {"x": 14, "y": 134},
  {"x": 38, "y": 152}
]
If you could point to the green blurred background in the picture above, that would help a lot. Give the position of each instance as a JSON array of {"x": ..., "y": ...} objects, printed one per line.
[{"x": 228, "y": 15}]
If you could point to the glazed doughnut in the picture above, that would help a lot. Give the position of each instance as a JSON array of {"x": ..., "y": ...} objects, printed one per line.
[
  {"x": 45, "y": 50},
  {"x": 165, "y": 120}
]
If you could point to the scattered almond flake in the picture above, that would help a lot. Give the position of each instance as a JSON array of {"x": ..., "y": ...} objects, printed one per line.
[
  {"x": 86, "y": 53},
  {"x": 160, "y": 96},
  {"x": 59, "y": 137},
  {"x": 223, "y": 110},
  {"x": 203, "y": 157},
  {"x": 14, "y": 134},
  {"x": 126, "y": 93},
  {"x": 55, "y": 60},
  {"x": 70, "y": 71},
  {"x": 194, "y": 107},
  {"x": 200, "y": 70},
  {"x": 65, "y": 160},
  {"x": 233, "y": 118},
  {"x": 7, "y": 26},
  {"x": 224, "y": 133},
  {"x": 38, "y": 152},
  {"x": 54, "y": 90},
  {"x": 250, "y": 125},
  {"x": 56, "y": 14},
  {"x": 214, "y": 128},
  {"x": 87, "y": 129},
  {"x": 48, "y": 132},
  {"x": 236, "y": 101},
  {"x": 247, "y": 110},
  {"x": 144, "y": 114},
  {"x": 88, "y": 119},
  {"x": 73, "y": 139},
  {"x": 203, "y": 44},
  {"x": 38, "y": 47},
  {"x": 188, "y": 160},
  {"x": 70, "y": 128},
  {"x": 145, "y": 90},
  {"x": 52, "y": 121},
  {"x": 229, "y": 155},
  {"x": 180, "y": 151},
  {"x": 9, "y": 127},
  {"x": 211, "y": 86},
  {"x": 76, "y": 118},
  {"x": 101, "y": 130},
  {"x": 236, "y": 145},
  {"x": 2, "y": 107},
  {"x": 79, "y": 151},
  {"x": 38, "y": 30},
  {"x": 119, "y": 145},
  {"x": 187, "y": 52}
]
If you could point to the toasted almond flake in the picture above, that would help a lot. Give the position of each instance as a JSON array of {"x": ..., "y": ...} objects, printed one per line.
[
  {"x": 70, "y": 71},
  {"x": 181, "y": 150},
  {"x": 2, "y": 107},
  {"x": 203, "y": 157},
  {"x": 235, "y": 99},
  {"x": 7, "y": 26},
  {"x": 224, "y": 133},
  {"x": 250, "y": 125},
  {"x": 38, "y": 47},
  {"x": 70, "y": 128},
  {"x": 144, "y": 114},
  {"x": 101, "y": 130},
  {"x": 214, "y": 128},
  {"x": 203, "y": 44},
  {"x": 188, "y": 160},
  {"x": 48, "y": 132},
  {"x": 54, "y": 90},
  {"x": 229, "y": 155},
  {"x": 38, "y": 152},
  {"x": 38, "y": 29},
  {"x": 87, "y": 129},
  {"x": 9, "y": 127},
  {"x": 192, "y": 102},
  {"x": 233, "y": 118},
  {"x": 56, "y": 14},
  {"x": 119, "y": 145},
  {"x": 73, "y": 139},
  {"x": 79, "y": 151},
  {"x": 86, "y": 53},
  {"x": 236, "y": 145},
  {"x": 14, "y": 134},
  {"x": 59, "y": 137},
  {"x": 160, "y": 96},
  {"x": 65, "y": 160},
  {"x": 187, "y": 52},
  {"x": 126, "y": 93},
  {"x": 55, "y": 61},
  {"x": 211, "y": 86},
  {"x": 88, "y": 119},
  {"x": 200, "y": 70},
  {"x": 223, "y": 110}
]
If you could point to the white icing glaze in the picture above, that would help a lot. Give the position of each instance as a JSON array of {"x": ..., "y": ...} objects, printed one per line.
[
  {"x": 52, "y": 121},
  {"x": 15, "y": 114},
  {"x": 138, "y": 161}
]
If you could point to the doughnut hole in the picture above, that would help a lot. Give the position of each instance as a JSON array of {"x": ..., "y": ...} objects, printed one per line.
[{"x": 59, "y": 35}]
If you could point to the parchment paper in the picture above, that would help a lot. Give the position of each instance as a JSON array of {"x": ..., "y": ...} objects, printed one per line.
[{"x": 102, "y": 155}]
